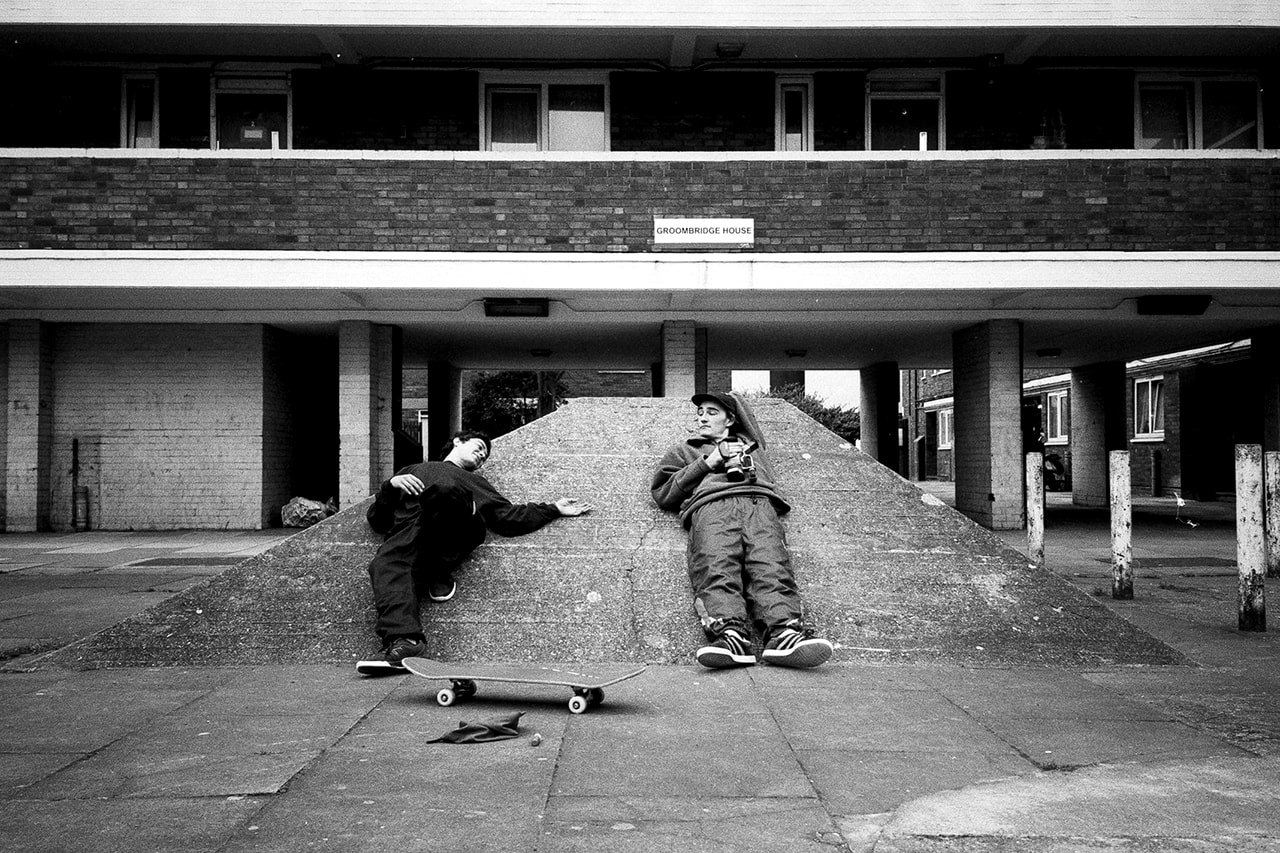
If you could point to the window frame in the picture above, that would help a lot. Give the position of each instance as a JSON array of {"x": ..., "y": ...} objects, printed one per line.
[
  {"x": 251, "y": 83},
  {"x": 1153, "y": 408},
  {"x": 541, "y": 82},
  {"x": 1195, "y": 121},
  {"x": 126, "y": 130},
  {"x": 783, "y": 84},
  {"x": 906, "y": 75},
  {"x": 946, "y": 428},
  {"x": 1059, "y": 400}
]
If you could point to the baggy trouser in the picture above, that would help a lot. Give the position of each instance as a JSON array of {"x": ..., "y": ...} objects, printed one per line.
[
  {"x": 739, "y": 565},
  {"x": 417, "y": 550}
]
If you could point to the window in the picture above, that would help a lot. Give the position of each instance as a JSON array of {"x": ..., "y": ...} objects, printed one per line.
[
  {"x": 904, "y": 113},
  {"x": 794, "y": 114},
  {"x": 252, "y": 112},
  {"x": 946, "y": 418},
  {"x": 1057, "y": 417},
  {"x": 1148, "y": 407},
  {"x": 568, "y": 115},
  {"x": 1178, "y": 113},
  {"x": 140, "y": 113}
]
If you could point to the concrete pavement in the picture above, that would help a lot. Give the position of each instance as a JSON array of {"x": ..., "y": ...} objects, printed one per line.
[{"x": 853, "y": 756}]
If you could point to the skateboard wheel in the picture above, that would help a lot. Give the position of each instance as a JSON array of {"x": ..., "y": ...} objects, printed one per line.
[
  {"x": 595, "y": 696},
  {"x": 578, "y": 704},
  {"x": 446, "y": 696}
]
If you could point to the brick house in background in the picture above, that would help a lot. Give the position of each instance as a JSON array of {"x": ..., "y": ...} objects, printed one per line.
[
  {"x": 232, "y": 235},
  {"x": 1179, "y": 421}
]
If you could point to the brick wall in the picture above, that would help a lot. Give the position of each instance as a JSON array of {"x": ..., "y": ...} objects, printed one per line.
[
  {"x": 4, "y": 421},
  {"x": 169, "y": 420},
  {"x": 596, "y": 206}
]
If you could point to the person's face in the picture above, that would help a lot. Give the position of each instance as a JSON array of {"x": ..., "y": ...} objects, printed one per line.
[
  {"x": 469, "y": 454},
  {"x": 713, "y": 421}
]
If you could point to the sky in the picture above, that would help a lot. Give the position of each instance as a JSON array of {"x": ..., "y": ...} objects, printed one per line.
[{"x": 833, "y": 387}]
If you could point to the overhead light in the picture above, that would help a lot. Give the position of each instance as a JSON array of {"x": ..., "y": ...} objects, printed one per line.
[
  {"x": 796, "y": 353},
  {"x": 729, "y": 49},
  {"x": 1187, "y": 305},
  {"x": 517, "y": 307}
]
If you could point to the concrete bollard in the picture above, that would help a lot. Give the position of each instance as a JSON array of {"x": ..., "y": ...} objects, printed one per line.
[
  {"x": 1271, "y": 474},
  {"x": 1121, "y": 525},
  {"x": 1035, "y": 509},
  {"x": 1251, "y": 540}
]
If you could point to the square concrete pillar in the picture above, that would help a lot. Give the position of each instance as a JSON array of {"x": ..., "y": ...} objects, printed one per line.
[
  {"x": 987, "y": 372},
  {"x": 878, "y": 390},
  {"x": 1264, "y": 352},
  {"x": 684, "y": 359},
  {"x": 1097, "y": 427},
  {"x": 444, "y": 406},
  {"x": 29, "y": 427},
  {"x": 367, "y": 416}
]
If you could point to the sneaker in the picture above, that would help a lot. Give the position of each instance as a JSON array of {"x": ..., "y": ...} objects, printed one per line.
[
  {"x": 404, "y": 647},
  {"x": 441, "y": 589},
  {"x": 795, "y": 645},
  {"x": 729, "y": 649}
]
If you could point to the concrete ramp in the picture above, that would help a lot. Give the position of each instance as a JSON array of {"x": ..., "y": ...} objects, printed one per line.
[{"x": 888, "y": 572}]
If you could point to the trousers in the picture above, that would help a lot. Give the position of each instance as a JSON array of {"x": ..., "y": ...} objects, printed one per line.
[
  {"x": 419, "y": 548},
  {"x": 739, "y": 565}
]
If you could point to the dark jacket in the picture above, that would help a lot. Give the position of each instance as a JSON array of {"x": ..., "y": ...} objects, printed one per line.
[
  {"x": 684, "y": 481},
  {"x": 392, "y": 507}
]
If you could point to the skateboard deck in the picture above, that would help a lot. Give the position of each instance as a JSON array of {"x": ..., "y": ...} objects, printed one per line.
[{"x": 587, "y": 682}]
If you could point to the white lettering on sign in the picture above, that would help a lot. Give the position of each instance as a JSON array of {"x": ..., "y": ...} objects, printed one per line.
[{"x": 738, "y": 233}]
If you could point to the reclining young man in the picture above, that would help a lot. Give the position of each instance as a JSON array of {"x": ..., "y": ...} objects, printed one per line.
[
  {"x": 434, "y": 514},
  {"x": 724, "y": 488}
]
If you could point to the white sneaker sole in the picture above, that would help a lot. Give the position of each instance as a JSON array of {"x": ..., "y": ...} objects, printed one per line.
[
  {"x": 804, "y": 655},
  {"x": 714, "y": 657}
]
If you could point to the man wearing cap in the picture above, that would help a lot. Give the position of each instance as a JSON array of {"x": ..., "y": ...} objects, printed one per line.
[
  {"x": 434, "y": 514},
  {"x": 724, "y": 488}
]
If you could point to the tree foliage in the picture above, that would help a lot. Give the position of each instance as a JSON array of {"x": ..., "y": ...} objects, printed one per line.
[
  {"x": 500, "y": 401},
  {"x": 845, "y": 423}
]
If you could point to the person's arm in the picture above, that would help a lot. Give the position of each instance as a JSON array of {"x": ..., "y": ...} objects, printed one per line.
[
  {"x": 678, "y": 475},
  {"x": 382, "y": 512},
  {"x": 507, "y": 519}
]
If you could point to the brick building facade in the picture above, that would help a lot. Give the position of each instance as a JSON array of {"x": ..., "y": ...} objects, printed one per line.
[{"x": 235, "y": 238}]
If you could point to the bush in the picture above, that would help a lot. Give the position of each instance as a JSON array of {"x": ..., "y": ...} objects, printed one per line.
[{"x": 845, "y": 423}]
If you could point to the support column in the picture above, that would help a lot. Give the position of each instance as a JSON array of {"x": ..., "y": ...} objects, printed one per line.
[
  {"x": 782, "y": 378},
  {"x": 1264, "y": 351},
  {"x": 366, "y": 418},
  {"x": 987, "y": 371},
  {"x": 444, "y": 406},
  {"x": 29, "y": 427},
  {"x": 684, "y": 359},
  {"x": 878, "y": 390},
  {"x": 1097, "y": 428}
]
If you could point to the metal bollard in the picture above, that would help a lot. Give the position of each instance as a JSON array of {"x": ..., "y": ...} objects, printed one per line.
[
  {"x": 1035, "y": 509},
  {"x": 1251, "y": 541},
  {"x": 1121, "y": 525}
]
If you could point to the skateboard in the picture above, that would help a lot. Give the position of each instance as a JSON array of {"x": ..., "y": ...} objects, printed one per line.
[{"x": 587, "y": 683}]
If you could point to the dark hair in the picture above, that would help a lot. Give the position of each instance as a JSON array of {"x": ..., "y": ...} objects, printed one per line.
[{"x": 465, "y": 435}]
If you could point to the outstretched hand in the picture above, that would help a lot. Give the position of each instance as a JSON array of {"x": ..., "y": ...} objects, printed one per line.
[{"x": 570, "y": 506}]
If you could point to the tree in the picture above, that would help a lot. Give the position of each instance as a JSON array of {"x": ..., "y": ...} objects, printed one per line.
[
  {"x": 501, "y": 401},
  {"x": 845, "y": 423}
]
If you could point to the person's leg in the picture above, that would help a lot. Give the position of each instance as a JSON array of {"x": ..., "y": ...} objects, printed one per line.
[
  {"x": 715, "y": 572},
  {"x": 394, "y": 597},
  {"x": 773, "y": 593},
  {"x": 450, "y": 530}
]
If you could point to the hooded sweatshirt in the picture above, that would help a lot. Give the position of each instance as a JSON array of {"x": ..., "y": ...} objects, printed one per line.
[{"x": 684, "y": 481}]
